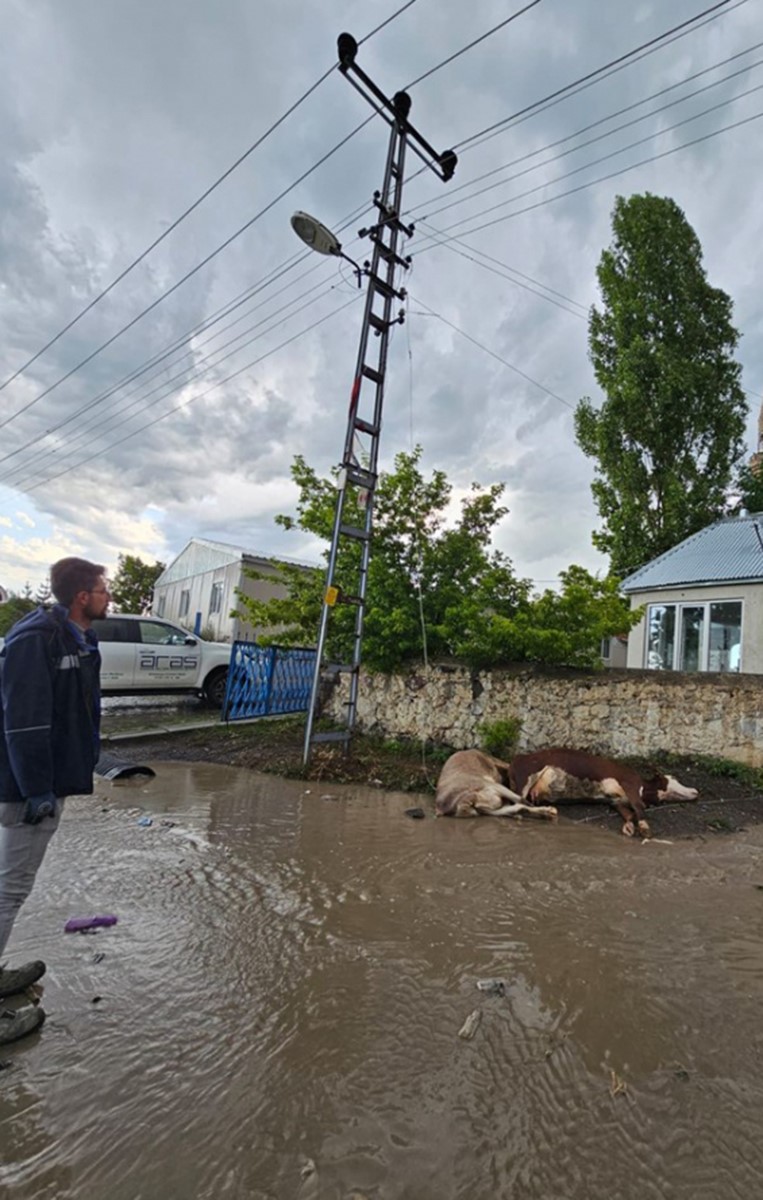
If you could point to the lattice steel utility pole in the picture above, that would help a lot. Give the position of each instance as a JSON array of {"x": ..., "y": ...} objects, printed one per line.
[{"x": 358, "y": 468}]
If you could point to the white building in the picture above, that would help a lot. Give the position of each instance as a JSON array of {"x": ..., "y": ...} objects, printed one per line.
[
  {"x": 703, "y": 602},
  {"x": 198, "y": 588}
]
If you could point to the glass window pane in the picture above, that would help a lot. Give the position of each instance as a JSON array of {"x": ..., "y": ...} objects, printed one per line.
[
  {"x": 692, "y": 627},
  {"x": 155, "y": 635},
  {"x": 661, "y": 637},
  {"x": 725, "y": 636}
]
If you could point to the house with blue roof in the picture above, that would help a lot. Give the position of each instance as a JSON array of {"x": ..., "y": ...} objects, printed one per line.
[{"x": 703, "y": 602}]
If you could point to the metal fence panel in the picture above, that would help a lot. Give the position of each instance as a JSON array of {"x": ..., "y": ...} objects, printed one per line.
[{"x": 267, "y": 680}]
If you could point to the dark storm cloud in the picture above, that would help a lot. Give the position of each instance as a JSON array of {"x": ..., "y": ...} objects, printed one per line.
[{"x": 113, "y": 119}]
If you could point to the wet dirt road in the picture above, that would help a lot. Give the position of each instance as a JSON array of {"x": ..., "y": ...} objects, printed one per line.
[{"x": 281, "y": 1000}]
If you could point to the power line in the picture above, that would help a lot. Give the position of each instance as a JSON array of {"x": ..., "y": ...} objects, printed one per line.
[
  {"x": 298, "y": 258},
  {"x": 188, "y": 275},
  {"x": 192, "y": 207},
  {"x": 85, "y": 434},
  {"x": 441, "y": 235},
  {"x": 591, "y": 76},
  {"x": 169, "y": 291},
  {"x": 196, "y": 368},
  {"x": 452, "y": 244},
  {"x": 483, "y": 37},
  {"x": 185, "y": 403},
  {"x": 494, "y": 355},
  {"x": 600, "y": 179},
  {"x": 594, "y": 125},
  {"x": 201, "y": 327}
]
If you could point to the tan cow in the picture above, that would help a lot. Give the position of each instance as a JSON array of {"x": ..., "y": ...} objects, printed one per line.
[{"x": 473, "y": 783}]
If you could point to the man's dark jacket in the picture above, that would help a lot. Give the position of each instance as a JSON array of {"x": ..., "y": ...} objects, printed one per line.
[{"x": 50, "y": 710}]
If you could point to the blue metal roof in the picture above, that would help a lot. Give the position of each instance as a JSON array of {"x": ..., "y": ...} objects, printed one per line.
[{"x": 730, "y": 551}]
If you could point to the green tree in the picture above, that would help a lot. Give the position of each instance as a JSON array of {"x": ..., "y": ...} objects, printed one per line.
[
  {"x": 420, "y": 573},
  {"x": 669, "y": 432},
  {"x": 444, "y": 578},
  {"x": 14, "y": 608},
  {"x": 132, "y": 588},
  {"x": 43, "y": 594},
  {"x": 563, "y": 628},
  {"x": 747, "y": 490}
]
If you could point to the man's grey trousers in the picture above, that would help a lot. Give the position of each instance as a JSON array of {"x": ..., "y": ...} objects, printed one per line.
[{"x": 22, "y": 849}]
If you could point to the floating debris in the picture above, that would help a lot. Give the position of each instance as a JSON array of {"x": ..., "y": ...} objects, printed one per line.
[
  {"x": 617, "y": 1086},
  {"x": 493, "y": 987},
  {"x": 82, "y": 924},
  {"x": 470, "y": 1025},
  {"x": 416, "y": 814}
]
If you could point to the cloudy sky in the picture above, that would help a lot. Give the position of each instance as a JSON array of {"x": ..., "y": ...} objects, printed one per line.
[{"x": 116, "y": 117}]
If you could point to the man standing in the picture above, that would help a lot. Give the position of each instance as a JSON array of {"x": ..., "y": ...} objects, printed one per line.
[{"x": 49, "y": 743}]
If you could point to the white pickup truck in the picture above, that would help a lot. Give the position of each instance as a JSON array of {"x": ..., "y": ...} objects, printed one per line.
[{"x": 145, "y": 655}]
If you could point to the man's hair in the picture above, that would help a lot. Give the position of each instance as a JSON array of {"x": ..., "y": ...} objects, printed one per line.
[{"x": 71, "y": 575}]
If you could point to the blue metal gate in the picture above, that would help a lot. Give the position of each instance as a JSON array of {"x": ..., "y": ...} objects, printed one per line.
[{"x": 265, "y": 680}]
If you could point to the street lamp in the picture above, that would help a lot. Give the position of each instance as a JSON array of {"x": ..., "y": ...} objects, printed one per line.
[{"x": 314, "y": 234}]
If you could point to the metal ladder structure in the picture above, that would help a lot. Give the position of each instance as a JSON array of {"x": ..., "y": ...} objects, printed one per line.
[{"x": 358, "y": 469}]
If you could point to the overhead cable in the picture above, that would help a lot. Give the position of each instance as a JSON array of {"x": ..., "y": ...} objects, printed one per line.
[
  {"x": 192, "y": 207},
  {"x": 600, "y": 179},
  {"x": 595, "y": 125},
  {"x": 188, "y": 275},
  {"x": 220, "y": 383},
  {"x": 493, "y": 354},
  {"x": 591, "y": 76}
]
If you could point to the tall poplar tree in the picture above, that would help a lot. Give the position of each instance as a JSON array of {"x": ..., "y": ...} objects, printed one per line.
[{"x": 669, "y": 433}]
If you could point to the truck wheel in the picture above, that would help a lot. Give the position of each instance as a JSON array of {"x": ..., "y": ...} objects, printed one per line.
[{"x": 214, "y": 687}]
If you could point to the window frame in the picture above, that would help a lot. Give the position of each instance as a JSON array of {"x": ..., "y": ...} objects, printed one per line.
[
  {"x": 216, "y": 597},
  {"x": 678, "y": 632}
]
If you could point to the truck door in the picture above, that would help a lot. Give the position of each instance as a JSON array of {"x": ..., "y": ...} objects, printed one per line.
[
  {"x": 163, "y": 659},
  {"x": 117, "y": 640}
]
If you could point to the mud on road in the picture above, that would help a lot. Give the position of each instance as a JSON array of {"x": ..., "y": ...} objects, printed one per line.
[{"x": 730, "y": 797}]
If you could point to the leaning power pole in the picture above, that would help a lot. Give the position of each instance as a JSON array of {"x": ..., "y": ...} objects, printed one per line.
[{"x": 359, "y": 466}]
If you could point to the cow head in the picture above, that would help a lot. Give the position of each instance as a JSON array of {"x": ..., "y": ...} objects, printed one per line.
[
  {"x": 670, "y": 789},
  {"x": 664, "y": 789}
]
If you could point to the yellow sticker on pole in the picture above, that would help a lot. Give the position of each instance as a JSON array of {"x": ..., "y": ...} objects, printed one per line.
[{"x": 332, "y": 595}]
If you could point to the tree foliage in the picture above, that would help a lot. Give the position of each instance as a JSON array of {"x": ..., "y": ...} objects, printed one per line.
[
  {"x": 14, "y": 608},
  {"x": 563, "y": 628},
  {"x": 747, "y": 491},
  {"x": 132, "y": 588},
  {"x": 428, "y": 575},
  {"x": 669, "y": 432}
]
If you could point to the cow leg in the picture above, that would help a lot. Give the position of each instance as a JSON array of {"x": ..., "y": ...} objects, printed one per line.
[
  {"x": 521, "y": 810},
  {"x": 633, "y": 814}
]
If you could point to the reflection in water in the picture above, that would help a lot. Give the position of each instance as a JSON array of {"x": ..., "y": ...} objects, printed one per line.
[{"x": 280, "y": 1003}]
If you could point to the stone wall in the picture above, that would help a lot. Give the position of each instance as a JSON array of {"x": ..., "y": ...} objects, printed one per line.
[{"x": 612, "y": 712}]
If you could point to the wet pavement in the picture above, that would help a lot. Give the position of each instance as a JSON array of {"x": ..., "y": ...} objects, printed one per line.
[{"x": 277, "y": 1012}]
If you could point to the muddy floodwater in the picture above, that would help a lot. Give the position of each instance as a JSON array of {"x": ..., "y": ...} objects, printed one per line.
[{"x": 277, "y": 1012}]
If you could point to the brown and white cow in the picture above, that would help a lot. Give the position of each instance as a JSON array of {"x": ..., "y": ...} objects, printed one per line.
[
  {"x": 557, "y": 773},
  {"x": 472, "y": 783}
]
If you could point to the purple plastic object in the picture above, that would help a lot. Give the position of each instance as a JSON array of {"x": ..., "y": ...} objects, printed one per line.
[{"x": 78, "y": 924}]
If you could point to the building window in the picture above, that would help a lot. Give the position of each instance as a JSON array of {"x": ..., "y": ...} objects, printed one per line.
[
  {"x": 160, "y": 606},
  {"x": 216, "y": 598},
  {"x": 694, "y": 637},
  {"x": 185, "y": 604}
]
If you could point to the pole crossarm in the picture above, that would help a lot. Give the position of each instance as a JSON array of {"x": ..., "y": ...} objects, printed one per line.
[
  {"x": 357, "y": 479},
  {"x": 399, "y": 106}
]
